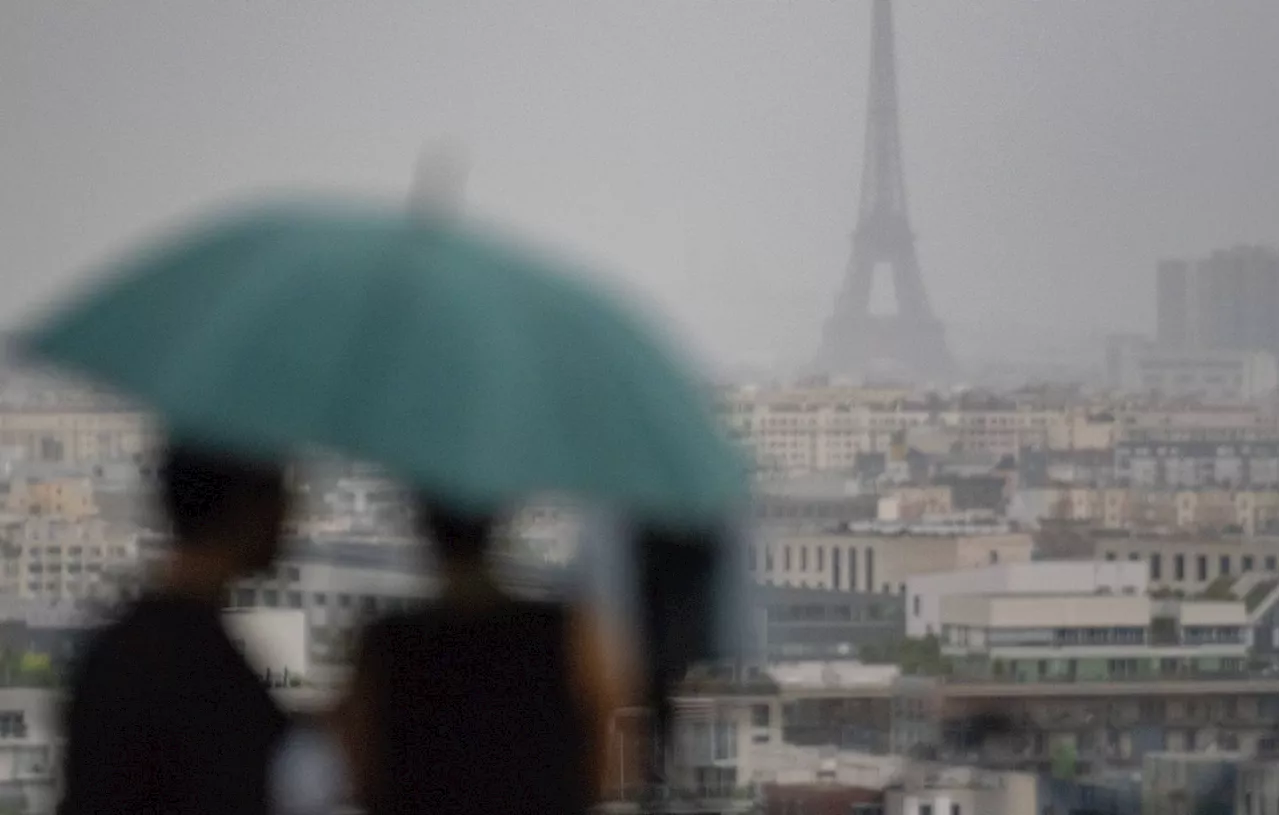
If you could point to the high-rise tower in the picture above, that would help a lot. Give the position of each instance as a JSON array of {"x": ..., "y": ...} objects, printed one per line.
[{"x": 910, "y": 342}]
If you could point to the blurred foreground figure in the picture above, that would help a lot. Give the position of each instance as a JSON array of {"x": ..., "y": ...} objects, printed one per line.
[
  {"x": 165, "y": 715},
  {"x": 479, "y": 702}
]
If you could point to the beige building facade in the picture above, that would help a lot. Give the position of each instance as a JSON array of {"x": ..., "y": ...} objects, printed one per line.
[{"x": 879, "y": 563}]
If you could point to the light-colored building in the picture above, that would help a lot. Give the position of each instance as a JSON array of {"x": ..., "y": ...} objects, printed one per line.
[
  {"x": 1213, "y": 376},
  {"x": 790, "y": 723},
  {"x": 913, "y": 504},
  {"x": 791, "y": 765},
  {"x": 1252, "y": 512},
  {"x": 1219, "y": 425},
  {"x": 1098, "y": 637},
  {"x": 30, "y": 749},
  {"x": 66, "y": 498},
  {"x": 1189, "y": 564},
  {"x": 880, "y": 562},
  {"x": 51, "y": 558},
  {"x": 1257, "y": 789},
  {"x": 1080, "y": 429},
  {"x": 926, "y": 592},
  {"x": 1257, "y": 513},
  {"x": 79, "y": 437},
  {"x": 1197, "y": 465},
  {"x": 962, "y": 791}
]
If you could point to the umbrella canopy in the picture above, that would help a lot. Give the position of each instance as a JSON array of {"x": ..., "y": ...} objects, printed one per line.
[{"x": 465, "y": 364}]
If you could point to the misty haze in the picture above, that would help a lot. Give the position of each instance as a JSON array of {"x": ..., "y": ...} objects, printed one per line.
[{"x": 939, "y": 476}]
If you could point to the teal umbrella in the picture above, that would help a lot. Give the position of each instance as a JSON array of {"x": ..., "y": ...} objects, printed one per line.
[{"x": 463, "y": 363}]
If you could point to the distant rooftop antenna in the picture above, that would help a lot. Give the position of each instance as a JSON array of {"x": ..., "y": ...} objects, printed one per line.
[{"x": 440, "y": 182}]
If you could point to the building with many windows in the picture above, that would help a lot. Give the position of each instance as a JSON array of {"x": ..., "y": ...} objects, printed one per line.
[
  {"x": 52, "y": 558},
  {"x": 1098, "y": 637},
  {"x": 1195, "y": 465},
  {"x": 877, "y": 558},
  {"x": 927, "y": 592}
]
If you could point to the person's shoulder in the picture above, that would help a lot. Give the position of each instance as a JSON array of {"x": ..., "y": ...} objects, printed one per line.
[
  {"x": 134, "y": 636},
  {"x": 113, "y": 654}
]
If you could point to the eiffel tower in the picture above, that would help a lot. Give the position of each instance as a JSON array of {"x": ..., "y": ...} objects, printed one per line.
[{"x": 910, "y": 343}]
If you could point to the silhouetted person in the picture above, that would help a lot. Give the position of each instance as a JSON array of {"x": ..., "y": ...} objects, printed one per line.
[
  {"x": 478, "y": 702},
  {"x": 165, "y": 716}
]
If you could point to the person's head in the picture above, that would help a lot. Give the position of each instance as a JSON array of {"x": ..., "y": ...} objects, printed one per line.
[
  {"x": 461, "y": 539},
  {"x": 224, "y": 505}
]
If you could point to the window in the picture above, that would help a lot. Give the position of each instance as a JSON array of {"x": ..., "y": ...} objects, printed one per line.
[
  {"x": 294, "y": 599},
  {"x": 1179, "y": 568},
  {"x": 993, "y": 556},
  {"x": 1224, "y": 565},
  {"x": 915, "y": 605},
  {"x": 955, "y": 810},
  {"x": 1155, "y": 568},
  {"x": 1202, "y": 568},
  {"x": 786, "y": 558},
  {"x": 1271, "y": 563},
  {"x": 821, "y": 565},
  {"x": 804, "y": 558},
  {"x": 925, "y": 809},
  {"x": 759, "y": 715},
  {"x": 1246, "y": 563},
  {"x": 13, "y": 724}
]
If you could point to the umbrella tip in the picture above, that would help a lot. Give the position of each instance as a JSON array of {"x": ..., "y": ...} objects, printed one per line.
[{"x": 440, "y": 181}]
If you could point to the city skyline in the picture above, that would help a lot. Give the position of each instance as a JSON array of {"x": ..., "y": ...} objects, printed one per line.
[{"x": 1055, "y": 154}]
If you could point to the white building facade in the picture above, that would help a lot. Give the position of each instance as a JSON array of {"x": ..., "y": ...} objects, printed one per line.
[{"x": 926, "y": 592}]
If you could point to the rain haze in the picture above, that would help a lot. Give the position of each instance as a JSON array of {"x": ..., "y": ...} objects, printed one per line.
[{"x": 705, "y": 153}]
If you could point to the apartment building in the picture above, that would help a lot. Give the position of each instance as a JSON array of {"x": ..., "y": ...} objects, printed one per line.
[
  {"x": 926, "y": 592},
  {"x": 66, "y": 498},
  {"x": 77, "y": 437},
  {"x": 783, "y": 724},
  {"x": 30, "y": 749},
  {"x": 52, "y": 558},
  {"x": 914, "y": 504},
  {"x": 801, "y": 430},
  {"x": 878, "y": 562},
  {"x": 1098, "y": 637},
  {"x": 1188, "y": 564},
  {"x": 1174, "y": 674},
  {"x": 1250, "y": 465},
  {"x": 1251, "y": 512},
  {"x": 1199, "y": 424},
  {"x": 1257, "y": 788}
]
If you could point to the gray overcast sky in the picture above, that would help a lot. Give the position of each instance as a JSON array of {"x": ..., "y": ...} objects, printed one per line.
[{"x": 706, "y": 152}]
